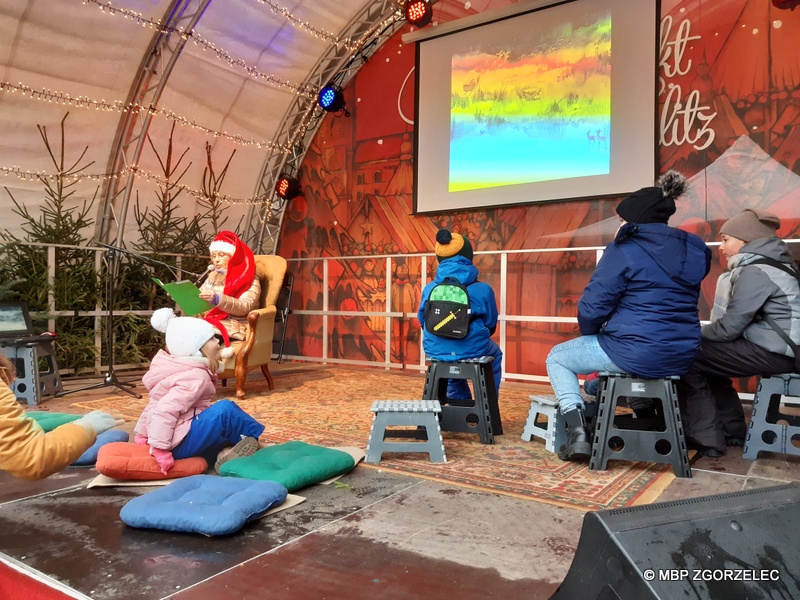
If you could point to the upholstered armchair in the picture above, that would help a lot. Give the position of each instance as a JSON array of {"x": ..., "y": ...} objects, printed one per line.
[{"x": 256, "y": 350}]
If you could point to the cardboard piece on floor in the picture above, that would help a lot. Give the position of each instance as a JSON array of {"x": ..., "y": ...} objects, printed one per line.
[
  {"x": 105, "y": 481},
  {"x": 291, "y": 500},
  {"x": 358, "y": 455}
]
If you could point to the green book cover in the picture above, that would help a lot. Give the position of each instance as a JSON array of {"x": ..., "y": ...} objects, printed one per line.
[{"x": 186, "y": 296}]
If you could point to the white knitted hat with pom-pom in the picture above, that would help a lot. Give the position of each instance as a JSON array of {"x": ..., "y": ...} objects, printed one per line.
[{"x": 184, "y": 335}]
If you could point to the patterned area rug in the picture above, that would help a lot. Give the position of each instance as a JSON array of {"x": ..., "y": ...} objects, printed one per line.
[{"x": 330, "y": 406}]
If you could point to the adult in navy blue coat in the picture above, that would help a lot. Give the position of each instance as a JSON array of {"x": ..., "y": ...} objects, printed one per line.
[
  {"x": 638, "y": 314},
  {"x": 454, "y": 253}
]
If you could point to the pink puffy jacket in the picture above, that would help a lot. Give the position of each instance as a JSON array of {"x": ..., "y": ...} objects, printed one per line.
[{"x": 179, "y": 389}]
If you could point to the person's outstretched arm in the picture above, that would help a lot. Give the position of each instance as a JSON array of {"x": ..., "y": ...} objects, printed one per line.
[{"x": 29, "y": 453}]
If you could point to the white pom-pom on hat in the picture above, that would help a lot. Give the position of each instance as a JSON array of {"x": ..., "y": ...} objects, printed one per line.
[
  {"x": 227, "y": 352},
  {"x": 161, "y": 319}
]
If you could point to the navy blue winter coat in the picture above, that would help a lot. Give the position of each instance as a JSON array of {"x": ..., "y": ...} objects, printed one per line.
[
  {"x": 641, "y": 301},
  {"x": 484, "y": 314}
]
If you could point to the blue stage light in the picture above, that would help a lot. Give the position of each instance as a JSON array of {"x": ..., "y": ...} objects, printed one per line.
[{"x": 331, "y": 98}]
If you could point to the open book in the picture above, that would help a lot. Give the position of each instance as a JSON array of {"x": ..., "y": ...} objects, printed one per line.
[{"x": 186, "y": 296}]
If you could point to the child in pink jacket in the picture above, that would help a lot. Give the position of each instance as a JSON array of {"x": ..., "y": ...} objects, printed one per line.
[{"x": 180, "y": 420}]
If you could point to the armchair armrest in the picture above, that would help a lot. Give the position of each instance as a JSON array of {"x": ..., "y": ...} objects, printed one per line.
[{"x": 257, "y": 350}]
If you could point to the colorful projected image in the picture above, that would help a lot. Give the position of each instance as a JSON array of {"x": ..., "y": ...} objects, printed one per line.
[{"x": 531, "y": 110}]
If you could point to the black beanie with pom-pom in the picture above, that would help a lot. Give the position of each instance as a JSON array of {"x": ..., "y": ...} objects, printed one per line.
[
  {"x": 449, "y": 245},
  {"x": 653, "y": 204}
]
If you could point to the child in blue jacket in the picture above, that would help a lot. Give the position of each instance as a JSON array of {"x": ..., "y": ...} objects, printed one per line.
[
  {"x": 638, "y": 314},
  {"x": 454, "y": 253}
]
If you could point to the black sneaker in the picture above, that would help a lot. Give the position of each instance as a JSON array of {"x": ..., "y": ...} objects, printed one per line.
[{"x": 704, "y": 450}]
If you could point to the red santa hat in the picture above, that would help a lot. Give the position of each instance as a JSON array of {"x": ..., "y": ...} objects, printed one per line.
[
  {"x": 224, "y": 242},
  {"x": 242, "y": 265},
  {"x": 239, "y": 276}
]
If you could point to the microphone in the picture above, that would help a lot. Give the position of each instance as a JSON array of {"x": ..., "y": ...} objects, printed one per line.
[{"x": 207, "y": 272}]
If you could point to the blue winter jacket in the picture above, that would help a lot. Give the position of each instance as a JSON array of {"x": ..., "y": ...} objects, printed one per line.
[
  {"x": 484, "y": 314},
  {"x": 641, "y": 301}
]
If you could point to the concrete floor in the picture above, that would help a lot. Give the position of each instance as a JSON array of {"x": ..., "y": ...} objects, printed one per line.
[{"x": 374, "y": 534}]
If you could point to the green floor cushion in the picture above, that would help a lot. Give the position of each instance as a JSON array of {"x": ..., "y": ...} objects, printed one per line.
[
  {"x": 123, "y": 460},
  {"x": 107, "y": 437},
  {"x": 204, "y": 504},
  {"x": 294, "y": 464},
  {"x": 50, "y": 420}
]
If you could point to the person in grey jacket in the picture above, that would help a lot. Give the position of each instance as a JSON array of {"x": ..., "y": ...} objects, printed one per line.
[{"x": 738, "y": 342}]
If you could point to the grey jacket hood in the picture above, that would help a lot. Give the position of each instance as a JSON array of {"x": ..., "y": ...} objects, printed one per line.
[{"x": 774, "y": 248}]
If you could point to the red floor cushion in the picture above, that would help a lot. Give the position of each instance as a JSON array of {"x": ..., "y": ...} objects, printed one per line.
[{"x": 123, "y": 460}]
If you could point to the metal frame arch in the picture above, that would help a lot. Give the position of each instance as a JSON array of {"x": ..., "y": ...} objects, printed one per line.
[
  {"x": 372, "y": 27},
  {"x": 148, "y": 85}
]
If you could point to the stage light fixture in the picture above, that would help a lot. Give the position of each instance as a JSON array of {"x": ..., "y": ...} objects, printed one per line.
[
  {"x": 418, "y": 12},
  {"x": 287, "y": 187},
  {"x": 331, "y": 98}
]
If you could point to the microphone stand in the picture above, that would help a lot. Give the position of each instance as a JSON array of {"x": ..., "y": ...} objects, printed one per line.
[
  {"x": 110, "y": 378},
  {"x": 150, "y": 261},
  {"x": 112, "y": 262}
]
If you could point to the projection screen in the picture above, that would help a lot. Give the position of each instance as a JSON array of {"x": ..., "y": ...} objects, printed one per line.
[{"x": 557, "y": 103}]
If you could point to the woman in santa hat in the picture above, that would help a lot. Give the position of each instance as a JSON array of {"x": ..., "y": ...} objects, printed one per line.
[{"x": 232, "y": 286}]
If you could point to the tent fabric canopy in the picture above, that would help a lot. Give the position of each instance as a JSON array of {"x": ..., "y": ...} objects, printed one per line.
[{"x": 241, "y": 69}]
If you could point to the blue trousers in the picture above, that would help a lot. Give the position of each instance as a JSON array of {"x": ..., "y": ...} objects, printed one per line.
[
  {"x": 581, "y": 355},
  {"x": 458, "y": 389},
  {"x": 220, "y": 425}
]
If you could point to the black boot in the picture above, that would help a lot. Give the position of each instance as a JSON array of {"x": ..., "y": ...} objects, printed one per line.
[{"x": 579, "y": 441}]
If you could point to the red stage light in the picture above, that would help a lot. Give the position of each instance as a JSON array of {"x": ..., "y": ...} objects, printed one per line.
[
  {"x": 287, "y": 187},
  {"x": 418, "y": 12}
]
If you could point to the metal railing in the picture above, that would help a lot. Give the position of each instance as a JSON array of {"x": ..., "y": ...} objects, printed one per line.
[{"x": 506, "y": 264}]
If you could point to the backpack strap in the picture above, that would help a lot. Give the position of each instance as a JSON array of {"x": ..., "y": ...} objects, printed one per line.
[
  {"x": 784, "y": 336},
  {"x": 765, "y": 260},
  {"x": 770, "y": 321}
]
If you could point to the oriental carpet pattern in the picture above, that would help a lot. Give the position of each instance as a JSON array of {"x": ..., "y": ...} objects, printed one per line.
[{"x": 330, "y": 406}]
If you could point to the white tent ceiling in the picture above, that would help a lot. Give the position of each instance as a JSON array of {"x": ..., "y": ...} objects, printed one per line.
[{"x": 236, "y": 79}]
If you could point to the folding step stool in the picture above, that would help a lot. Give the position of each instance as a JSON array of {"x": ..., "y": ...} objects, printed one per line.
[
  {"x": 614, "y": 442},
  {"x": 554, "y": 431},
  {"x": 481, "y": 416},
  {"x": 770, "y": 430},
  {"x": 33, "y": 382},
  {"x": 424, "y": 414}
]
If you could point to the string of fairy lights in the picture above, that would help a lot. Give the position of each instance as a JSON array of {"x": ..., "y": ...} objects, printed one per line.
[
  {"x": 64, "y": 98},
  {"x": 198, "y": 40},
  {"x": 69, "y": 178},
  {"x": 307, "y": 27}
]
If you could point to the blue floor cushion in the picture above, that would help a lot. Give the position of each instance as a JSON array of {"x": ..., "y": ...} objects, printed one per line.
[
  {"x": 294, "y": 464},
  {"x": 204, "y": 504},
  {"x": 107, "y": 437}
]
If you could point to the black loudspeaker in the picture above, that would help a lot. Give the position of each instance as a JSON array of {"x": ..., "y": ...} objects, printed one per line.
[{"x": 738, "y": 546}]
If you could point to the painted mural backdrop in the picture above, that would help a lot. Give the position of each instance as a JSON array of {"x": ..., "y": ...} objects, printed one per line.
[{"x": 729, "y": 118}]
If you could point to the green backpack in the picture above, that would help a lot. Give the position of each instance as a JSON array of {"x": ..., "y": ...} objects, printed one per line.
[{"x": 448, "y": 313}]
